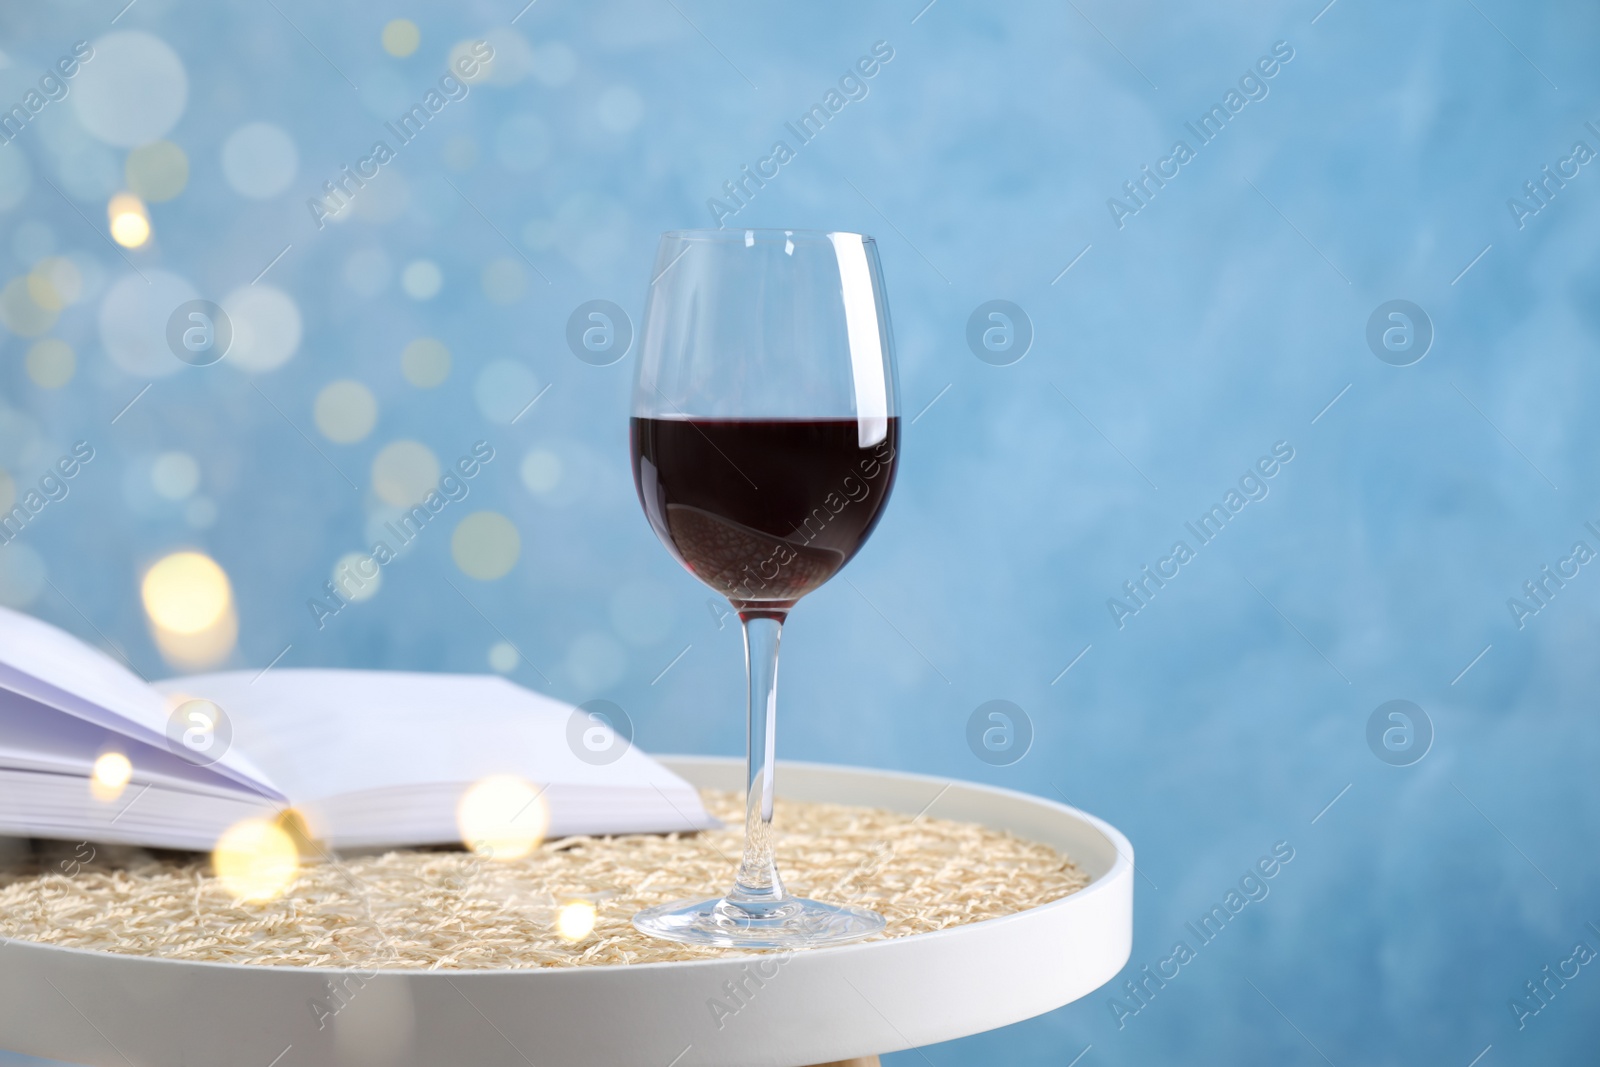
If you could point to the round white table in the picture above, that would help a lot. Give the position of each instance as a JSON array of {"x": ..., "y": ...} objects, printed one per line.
[{"x": 814, "y": 1007}]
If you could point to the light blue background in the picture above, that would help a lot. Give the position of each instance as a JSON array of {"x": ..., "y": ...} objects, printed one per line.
[{"x": 1221, "y": 319}]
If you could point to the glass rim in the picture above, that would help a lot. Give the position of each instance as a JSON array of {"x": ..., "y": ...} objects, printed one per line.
[{"x": 725, "y": 233}]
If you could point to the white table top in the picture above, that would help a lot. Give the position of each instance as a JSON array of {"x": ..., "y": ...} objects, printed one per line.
[{"x": 106, "y": 1010}]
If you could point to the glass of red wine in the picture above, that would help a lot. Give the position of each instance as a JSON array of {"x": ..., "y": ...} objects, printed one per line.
[{"x": 765, "y": 437}]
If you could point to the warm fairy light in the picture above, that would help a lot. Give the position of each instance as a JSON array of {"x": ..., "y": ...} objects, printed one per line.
[
  {"x": 575, "y": 920},
  {"x": 190, "y": 604},
  {"x": 111, "y": 774},
  {"x": 130, "y": 224},
  {"x": 197, "y": 651},
  {"x": 130, "y": 229},
  {"x": 255, "y": 859},
  {"x": 502, "y": 817},
  {"x": 186, "y": 592},
  {"x": 113, "y": 769}
]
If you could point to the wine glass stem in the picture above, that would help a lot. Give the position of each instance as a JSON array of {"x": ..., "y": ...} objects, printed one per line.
[{"x": 758, "y": 882}]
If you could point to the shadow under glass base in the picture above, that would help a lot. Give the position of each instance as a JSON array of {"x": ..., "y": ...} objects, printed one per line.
[{"x": 793, "y": 922}]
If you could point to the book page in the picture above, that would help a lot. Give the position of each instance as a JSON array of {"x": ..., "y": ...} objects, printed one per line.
[
  {"x": 326, "y": 733},
  {"x": 36, "y": 738},
  {"x": 57, "y": 670}
]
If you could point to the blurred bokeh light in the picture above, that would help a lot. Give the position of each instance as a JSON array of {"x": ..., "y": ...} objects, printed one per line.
[
  {"x": 130, "y": 222},
  {"x": 575, "y": 920},
  {"x": 189, "y": 602},
  {"x": 110, "y": 776},
  {"x": 255, "y": 860},
  {"x": 502, "y": 817}
]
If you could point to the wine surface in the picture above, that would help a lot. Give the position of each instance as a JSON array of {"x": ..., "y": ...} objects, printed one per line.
[{"x": 762, "y": 510}]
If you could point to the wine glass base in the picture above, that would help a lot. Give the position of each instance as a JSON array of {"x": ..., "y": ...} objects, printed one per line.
[{"x": 792, "y": 923}]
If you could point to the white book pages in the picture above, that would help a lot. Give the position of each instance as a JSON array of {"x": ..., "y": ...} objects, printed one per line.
[
  {"x": 426, "y": 815},
  {"x": 150, "y": 815},
  {"x": 382, "y": 756},
  {"x": 370, "y": 757},
  {"x": 60, "y": 672},
  {"x": 38, "y": 738}
]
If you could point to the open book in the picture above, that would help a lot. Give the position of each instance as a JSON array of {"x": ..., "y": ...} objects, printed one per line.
[{"x": 369, "y": 758}]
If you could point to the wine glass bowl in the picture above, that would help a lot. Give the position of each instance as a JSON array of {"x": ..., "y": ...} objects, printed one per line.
[{"x": 765, "y": 440}]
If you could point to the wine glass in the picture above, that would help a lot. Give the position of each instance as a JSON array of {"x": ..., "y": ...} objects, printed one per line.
[{"x": 765, "y": 436}]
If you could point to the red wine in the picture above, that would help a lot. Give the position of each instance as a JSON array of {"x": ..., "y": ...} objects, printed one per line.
[{"x": 762, "y": 510}]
